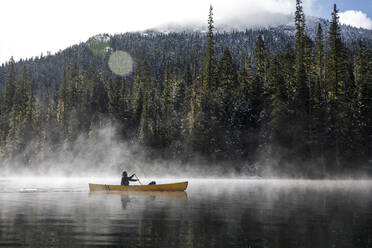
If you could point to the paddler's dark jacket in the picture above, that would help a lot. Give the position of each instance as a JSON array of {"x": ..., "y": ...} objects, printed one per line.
[{"x": 125, "y": 180}]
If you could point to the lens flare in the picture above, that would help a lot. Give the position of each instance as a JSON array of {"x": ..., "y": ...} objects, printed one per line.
[{"x": 120, "y": 63}]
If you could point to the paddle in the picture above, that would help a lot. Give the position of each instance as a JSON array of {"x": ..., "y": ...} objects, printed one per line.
[{"x": 138, "y": 179}]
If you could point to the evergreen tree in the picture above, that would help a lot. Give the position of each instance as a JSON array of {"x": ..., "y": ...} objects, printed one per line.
[
  {"x": 7, "y": 101},
  {"x": 301, "y": 86},
  {"x": 279, "y": 116},
  {"x": 126, "y": 111},
  {"x": 151, "y": 114},
  {"x": 319, "y": 104},
  {"x": 363, "y": 78},
  {"x": 64, "y": 105},
  {"x": 166, "y": 98},
  {"x": 10, "y": 86},
  {"x": 137, "y": 92},
  {"x": 209, "y": 72},
  {"x": 113, "y": 95},
  {"x": 225, "y": 99},
  {"x": 227, "y": 72},
  {"x": 247, "y": 107},
  {"x": 261, "y": 58},
  {"x": 259, "y": 92},
  {"x": 16, "y": 138},
  {"x": 178, "y": 103},
  {"x": 301, "y": 101},
  {"x": 338, "y": 82},
  {"x": 166, "y": 106},
  {"x": 288, "y": 59}
]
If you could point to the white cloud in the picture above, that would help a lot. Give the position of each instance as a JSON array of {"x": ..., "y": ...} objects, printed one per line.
[
  {"x": 356, "y": 18},
  {"x": 32, "y": 27}
]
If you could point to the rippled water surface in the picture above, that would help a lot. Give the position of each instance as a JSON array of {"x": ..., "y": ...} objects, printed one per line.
[{"x": 57, "y": 212}]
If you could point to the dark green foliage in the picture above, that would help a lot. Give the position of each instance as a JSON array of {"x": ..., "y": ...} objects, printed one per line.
[
  {"x": 280, "y": 115},
  {"x": 302, "y": 105},
  {"x": 363, "y": 80},
  {"x": 339, "y": 94},
  {"x": 261, "y": 57},
  {"x": 319, "y": 100},
  {"x": 194, "y": 95},
  {"x": 209, "y": 73}
]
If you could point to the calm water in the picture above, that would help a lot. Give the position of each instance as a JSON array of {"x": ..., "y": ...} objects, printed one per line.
[{"x": 213, "y": 213}]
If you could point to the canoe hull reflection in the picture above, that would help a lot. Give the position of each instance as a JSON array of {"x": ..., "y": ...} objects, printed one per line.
[
  {"x": 157, "y": 187},
  {"x": 170, "y": 194}
]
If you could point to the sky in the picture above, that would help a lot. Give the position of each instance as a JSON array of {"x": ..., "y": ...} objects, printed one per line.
[{"x": 31, "y": 27}]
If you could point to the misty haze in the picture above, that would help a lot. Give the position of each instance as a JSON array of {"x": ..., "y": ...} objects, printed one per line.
[{"x": 160, "y": 124}]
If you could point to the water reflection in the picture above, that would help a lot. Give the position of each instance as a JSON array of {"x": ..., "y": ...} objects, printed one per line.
[
  {"x": 150, "y": 195},
  {"x": 124, "y": 201},
  {"x": 170, "y": 194},
  {"x": 212, "y": 214}
]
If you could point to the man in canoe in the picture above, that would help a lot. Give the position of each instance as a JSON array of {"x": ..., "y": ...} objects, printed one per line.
[{"x": 125, "y": 179}]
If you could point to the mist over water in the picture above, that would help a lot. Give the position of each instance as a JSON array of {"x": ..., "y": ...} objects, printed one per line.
[
  {"x": 61, "y": 212},
  {"x": 103, "y": 154},
  {"x": 48, "y": 203}
]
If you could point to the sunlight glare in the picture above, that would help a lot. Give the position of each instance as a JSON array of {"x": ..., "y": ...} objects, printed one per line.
[{"x": 120, "y": 63}]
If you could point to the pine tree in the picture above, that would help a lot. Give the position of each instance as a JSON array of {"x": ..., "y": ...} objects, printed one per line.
[
  {"x": 227, "y": 72},
  {"x": 361, "y": 66},
  {"x": 319, "y": 58},
  {"x": 137, "y": 92},
  {"x": 203, "y": 107},
  {"x": 166, "y": 97},
  {"x": 338, "y": 82},
  {"x": 126, "y": 111},
  {"x": 226, "y": 89},
  {"x": 288, "y": 59},
  {"x": 225, "y": 99},
  {"x": 178, "y": 92},
  {"x": 319, "y": 106},
  {"x": 301, "y": 86},
  {"x": 16, "y": 138},
  {"x": 167, "y": 107},
  {"x": 259, "y": 91},
  {"x": 301, "y": 101},
  {"x": 247, "y": 106},
  {"x": 245, "y": 76},
  {"x": 52, "y": 135},
  {"x": 7, "y": 101},
  {"x": 113, "y": 94},
  {"x": 31, "y": 113},
  {"x": 64, "y": 105},
  {"x": 363, "y": 79},
  {"x": 261, "y": 58},
  {"x": 279, "y": 116},
  {"x": 10, "y": 86},
  {"x": 209, "y": 72},
  {"x": 178, "y": 103},
  {"x": 150, "y": 131}
]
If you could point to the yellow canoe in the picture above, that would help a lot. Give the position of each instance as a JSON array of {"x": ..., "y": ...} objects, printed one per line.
[{"x": 157, "y": 187}]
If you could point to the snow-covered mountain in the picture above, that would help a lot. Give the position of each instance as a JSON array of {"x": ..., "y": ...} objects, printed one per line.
[{"x": 284, "y": 24}]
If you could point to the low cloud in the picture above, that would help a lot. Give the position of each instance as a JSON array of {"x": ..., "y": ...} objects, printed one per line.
[
  {"x": 43, "y": 26},
  {"x": 356, "y": 18}
]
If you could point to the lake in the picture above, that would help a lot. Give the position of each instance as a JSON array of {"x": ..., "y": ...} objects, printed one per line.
[{"x": 61, "y": 212}]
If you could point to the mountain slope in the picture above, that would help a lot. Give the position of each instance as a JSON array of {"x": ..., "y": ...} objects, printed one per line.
[
  {"x": 285, "y": 25},
  {"x": 178, "y": 44}
]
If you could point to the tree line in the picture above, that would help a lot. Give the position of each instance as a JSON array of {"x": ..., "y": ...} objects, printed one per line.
[{"x": 308, "y": 104}]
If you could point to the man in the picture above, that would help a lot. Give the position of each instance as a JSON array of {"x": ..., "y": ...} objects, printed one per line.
[{"x": 125, "y": 179}]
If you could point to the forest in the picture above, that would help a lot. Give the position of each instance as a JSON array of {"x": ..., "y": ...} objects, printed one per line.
[{"x": 224, "y": 98}]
